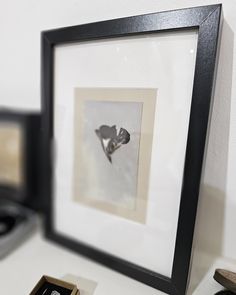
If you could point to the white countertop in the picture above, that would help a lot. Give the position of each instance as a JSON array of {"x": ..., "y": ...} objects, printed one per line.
[{"x": 21, "y": 270}]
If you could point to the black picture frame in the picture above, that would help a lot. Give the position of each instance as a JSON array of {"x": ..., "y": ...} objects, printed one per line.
[
  {"x": 28, "y": 193},
  {"x": 206, "y": 20}
]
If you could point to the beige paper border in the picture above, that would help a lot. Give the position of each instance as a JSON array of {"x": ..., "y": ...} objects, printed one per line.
[{"x": 148, "y": 98}]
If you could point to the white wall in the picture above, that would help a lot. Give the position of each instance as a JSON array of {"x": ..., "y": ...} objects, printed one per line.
[{"x": 20, "y": 26}]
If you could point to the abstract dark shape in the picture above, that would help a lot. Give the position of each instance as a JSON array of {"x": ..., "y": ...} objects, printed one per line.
[{"x": 112, "y": 138}]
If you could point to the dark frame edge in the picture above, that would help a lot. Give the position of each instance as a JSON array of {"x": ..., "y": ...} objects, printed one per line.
[
  {"x": 187, "y": 18},
  {"x": 181, "y": 281}
]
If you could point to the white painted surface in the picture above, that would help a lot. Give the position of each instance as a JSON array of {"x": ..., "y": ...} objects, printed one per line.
[
  {"x": 24, "y": 267},
  {"x": 20, "y": 26},
  {"x": 207, "y": 284}
]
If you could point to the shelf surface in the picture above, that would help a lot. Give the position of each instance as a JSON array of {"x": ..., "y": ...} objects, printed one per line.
[{"x": 21, "y": 270}]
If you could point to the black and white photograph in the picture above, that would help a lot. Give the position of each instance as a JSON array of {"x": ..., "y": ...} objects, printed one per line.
[{"x": 109, "y": 125}]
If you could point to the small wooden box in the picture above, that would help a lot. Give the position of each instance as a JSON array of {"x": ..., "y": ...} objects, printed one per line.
[{"x": 54, "y": 282}]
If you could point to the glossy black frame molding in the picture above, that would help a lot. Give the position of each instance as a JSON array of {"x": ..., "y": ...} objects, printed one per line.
[
  {"x": 30, "y": 123},
  {"x": 206, "y": 20}
]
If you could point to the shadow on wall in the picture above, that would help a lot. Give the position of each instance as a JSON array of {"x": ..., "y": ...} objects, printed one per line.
[{"x": 211, "y": 209}]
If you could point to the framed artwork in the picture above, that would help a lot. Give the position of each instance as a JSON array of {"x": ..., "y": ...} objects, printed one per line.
[
  {"x": 19, "y": 132},
  {"x": 125, "y": 113},
  {"x": 106, "y": 176}
]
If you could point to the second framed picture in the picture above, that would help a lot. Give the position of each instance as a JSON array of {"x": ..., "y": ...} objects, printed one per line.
[{"x": 125, "y": 114}]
